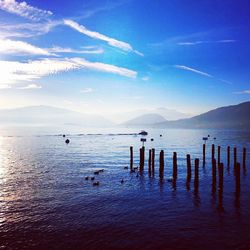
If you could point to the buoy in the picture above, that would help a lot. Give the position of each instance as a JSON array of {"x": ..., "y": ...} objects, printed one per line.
[
  {"x": 92, "y": 178},
  {"x": 122, "y": 181},
  {"x": 160, "y": 135},
  {"x": 96, "y": 172},
  {"x": 152, "y": 139},
  {"x": 67, "y": 141},
  {"x": 86, "y": 178},
  {"x": 97, "y": 183},
  {"x": 125, "y": 167},
  {"x": 63, "y": 135}
]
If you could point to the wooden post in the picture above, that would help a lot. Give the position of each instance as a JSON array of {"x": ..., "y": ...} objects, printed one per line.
[
  {"x": 204, "y": 153},
  {"x": 131, "y": 158},
  {"x": 214, "y": 169},
  {"x": 189, "y": 172},
  {"x": 237, "y": 177},
  {"x": 244, "y": 157},
  {"x": 161, "y": 168},
  {"x": 213, "y": 152},
  {"x": 149, "y": 161},
  {"x": 221, "y": 175},
  {"x": 228, "y": 155},
  {"x": 218, "y": 160},
  {"x": 196, "y": 168},
  {"x": 153, "y": 160},
  {"x": 142, "y": 158},
  {"x": 214, "y": 176},
  {"x": 196, "y": 174},
  {"x": 175, "y": 165},
  {"x": 235, "y": 156}
]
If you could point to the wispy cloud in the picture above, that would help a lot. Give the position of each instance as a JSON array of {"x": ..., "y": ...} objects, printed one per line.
[
  {"x": 205, "y": 42},
  {"x": 8, "y": 46},
  {"x": 27, "y": 30},
  {"x": 87, "y": 90},
  {"x": 96, "y": 35},
  {"x": 244, "y": 92},
  {"x": 13, "y": 72},
  {"x": 193, "y": 70},
  {"x": 4, "y": 86},
  {"x": 145, "y": 78},
  {"x": 24, "y": 10},
  {"x": 57, "y": 49},
  {"x": 31, "y": 86},
  {"x": 201, "y": 73}
]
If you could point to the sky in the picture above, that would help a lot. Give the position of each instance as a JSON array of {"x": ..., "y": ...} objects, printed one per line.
[{"x": 116, "y": 56}]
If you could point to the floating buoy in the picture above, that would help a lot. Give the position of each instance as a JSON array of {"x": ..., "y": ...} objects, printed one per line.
[
  {"x": 67, "y": 141},
  {"x": 208, "y": 135},
  {"x": 63, "y": 135},
  {"x": 125, "y": 167},
  {"x": 86, "y": 178},
  {"x": 160, "y": 135},
  {"x": 101, "y": 170},
  {"x": 97, "y": 183},
  {"x": 152, "y": 139},
  {"x": 92, "y": 178},
  {"x": 122, "y": 181},
  {"x": 96, "y": 172}
]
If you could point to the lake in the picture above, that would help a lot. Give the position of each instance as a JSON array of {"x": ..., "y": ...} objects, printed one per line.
[{"x": 46, "y": 203}]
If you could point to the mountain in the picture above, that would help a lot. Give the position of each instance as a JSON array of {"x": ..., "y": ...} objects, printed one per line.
[
  {"x": 47, "y": 115},
  {"x": 229, "y": 117},
  {"x": 171, "y": 114},
  {"x": 168, "y": 114},
  {"x": 145, "y": 120}
]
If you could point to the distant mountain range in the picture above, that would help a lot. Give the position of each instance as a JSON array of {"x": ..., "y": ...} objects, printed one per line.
[
  {"x": 230, "y": 117},
  {"x": 168, "y": 114},
  {"x": 47, "y": 115},
  {"x": 146, "y": 120}
]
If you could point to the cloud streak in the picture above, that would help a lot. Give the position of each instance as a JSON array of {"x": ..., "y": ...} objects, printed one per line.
[
  {"x": 24, "y": 10},
  {"x": 205, "y": 42},
  {"x": 13, "y": 72},
  {"x": 193, "y": 70},
  {"x": 31, "y": 86},
  {"x": 96, "y": 35},
  {"x": 8, "y": 46},
  {"x": 244, "y": 92}
]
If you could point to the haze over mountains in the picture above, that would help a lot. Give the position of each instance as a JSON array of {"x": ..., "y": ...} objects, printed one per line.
[{"x": 235, "y": 116}]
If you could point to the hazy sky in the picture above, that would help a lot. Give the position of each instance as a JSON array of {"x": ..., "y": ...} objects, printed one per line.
[{"x": 111, "y": 56}]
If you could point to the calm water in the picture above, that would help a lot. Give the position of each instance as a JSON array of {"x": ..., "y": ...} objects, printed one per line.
[{"x": 45, "y": 202}]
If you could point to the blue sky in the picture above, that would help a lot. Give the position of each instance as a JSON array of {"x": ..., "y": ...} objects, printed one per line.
[{"x": 115, "y": 56}]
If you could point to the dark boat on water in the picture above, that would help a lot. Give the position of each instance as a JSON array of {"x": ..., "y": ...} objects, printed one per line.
[{"x": 143, "y": 132}]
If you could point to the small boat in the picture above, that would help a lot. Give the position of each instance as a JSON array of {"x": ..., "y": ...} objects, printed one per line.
[{"x": 143, "y": 132}]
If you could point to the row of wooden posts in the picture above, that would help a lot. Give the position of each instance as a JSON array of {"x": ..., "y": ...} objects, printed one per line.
[{"x": 215, "y": 163}]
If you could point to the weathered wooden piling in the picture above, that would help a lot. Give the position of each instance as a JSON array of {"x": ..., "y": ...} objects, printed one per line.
[
  {"x": 196, "y": 169},
  {"x": 213, "y": 152},
  {"x": 244, "y": 158},
  {"x": 149, "y": 161},
  {"x": 161, "y": 165},
  {"x": 221, "y": 175},
  {"x": 189, "y": 172},
  {"x": 218, "y": 159},
  {"x": 196, "y": 175},
  {"x": 237, "y": 185},
  {"x": 204, "y": 153},
  {"x": 142, "y": 158},
  {"x": 153, "y": 160},
  {"x": 131, "y": 158},
  {"x": 228, "y": 155},
  {"x": 235, "y": 156},
  {"x": 174, "y": 165},
  {"x": 237, "y": 177},
  {"x": 214, "y": 170},
  {"x": 214, "y": 176}
]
